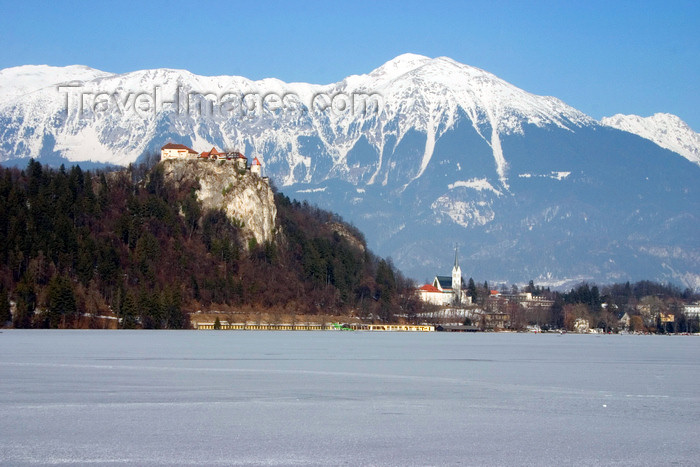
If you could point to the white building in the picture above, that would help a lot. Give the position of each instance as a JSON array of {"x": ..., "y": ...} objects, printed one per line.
[
  {"x": 692, "y": 310},
  {"x": 446, "y": 290},
  {"x": 431, "y": 294},
  {"x": 176, "y": 151}
]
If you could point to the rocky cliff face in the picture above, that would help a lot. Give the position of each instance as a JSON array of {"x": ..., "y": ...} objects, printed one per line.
[{"x": 246, "y": 198}]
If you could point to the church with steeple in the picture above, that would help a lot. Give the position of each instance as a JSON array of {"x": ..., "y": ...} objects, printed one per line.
[{"x": 446, "y": 290}]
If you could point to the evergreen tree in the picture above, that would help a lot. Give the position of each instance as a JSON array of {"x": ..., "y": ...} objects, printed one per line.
[
  {"x": 386, "y": 283},
  {"x": 149, "y": 310},
  {"x": 471, "y": 290},
  {"x": 26, "y": 303},
  {"x": 61, "y": 301},
  {"x": 5, "y": 314},
  {"x": 171, "y": 309},
  {"x": 531, "y": 287},
  {"x": 128, "y": 312},
  {"x": 385, "y": 276}
]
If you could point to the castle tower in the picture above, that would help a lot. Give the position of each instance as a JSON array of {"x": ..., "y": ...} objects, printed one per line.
[
  {"x": 256, "y": 167},
  {"x": 457, "y": 280}
]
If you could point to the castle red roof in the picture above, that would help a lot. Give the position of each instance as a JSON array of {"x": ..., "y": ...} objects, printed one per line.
[
  {"x": 212, "y": 153},
  {"x": 256, "y": 162},
  {"x": 178, "y": 146},
  {"x": 429, "y": 288}
]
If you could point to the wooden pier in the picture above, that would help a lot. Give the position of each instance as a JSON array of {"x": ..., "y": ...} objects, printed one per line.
[{"x": 226, "y": 326}]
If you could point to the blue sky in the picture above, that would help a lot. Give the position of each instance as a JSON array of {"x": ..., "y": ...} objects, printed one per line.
[{"x": 602, "y": 57}]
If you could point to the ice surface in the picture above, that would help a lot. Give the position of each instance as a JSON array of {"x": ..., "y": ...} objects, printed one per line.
[{"x": 325, "y": 398}]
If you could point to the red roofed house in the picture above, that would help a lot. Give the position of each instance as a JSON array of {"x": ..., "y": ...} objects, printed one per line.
[
  {"x": 256, "y": 167},
  {"x": 213, "y": 154},
  {"x": 176, "y": 151}
]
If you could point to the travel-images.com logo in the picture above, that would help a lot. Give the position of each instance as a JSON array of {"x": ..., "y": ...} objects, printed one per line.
[{"x": 247, "y": 106}]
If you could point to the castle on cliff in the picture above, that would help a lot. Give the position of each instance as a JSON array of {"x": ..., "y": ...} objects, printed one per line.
[{"x": 180, "y": 151}]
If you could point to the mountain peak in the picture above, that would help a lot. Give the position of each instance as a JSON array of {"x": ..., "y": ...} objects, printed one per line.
[
  {"x": 666, "y": 130},
  {"x": 400, "y": 65}
]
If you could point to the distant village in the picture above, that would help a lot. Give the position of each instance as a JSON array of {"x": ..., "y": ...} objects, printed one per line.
[
  {"x": 451, "y": 305},
  {"x": 180, "y": 151},
  {"x": 455, "y": 309}
]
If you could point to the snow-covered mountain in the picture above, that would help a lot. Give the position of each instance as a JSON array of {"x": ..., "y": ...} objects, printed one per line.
[
  {"x": 421, "y": 154},
  {"x": 416, "y": 92},
  {"x": 666, "y": 130},
  {"x": 21, "y": 80}
]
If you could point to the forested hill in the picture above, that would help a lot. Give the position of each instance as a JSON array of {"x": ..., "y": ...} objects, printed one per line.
[{"x": 78, "y": 247}]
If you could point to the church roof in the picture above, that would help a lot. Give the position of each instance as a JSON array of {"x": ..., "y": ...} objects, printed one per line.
[
  {"x": 429, "y": 288},
  {"x": 444, "y": 281}
]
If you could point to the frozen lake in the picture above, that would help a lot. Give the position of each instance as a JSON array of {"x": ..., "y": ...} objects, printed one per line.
[{"x": 347, "y": 398}]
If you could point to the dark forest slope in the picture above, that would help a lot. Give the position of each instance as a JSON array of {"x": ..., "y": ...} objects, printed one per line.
[{"x": 77, "y": 244}]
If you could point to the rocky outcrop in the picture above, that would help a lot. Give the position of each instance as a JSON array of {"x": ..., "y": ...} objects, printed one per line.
[
  {"x": 353, "y": 238},
  {"x": 246, "y": 198}
]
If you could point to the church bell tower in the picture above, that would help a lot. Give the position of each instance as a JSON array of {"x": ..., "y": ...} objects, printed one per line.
[{"x": 457, "y": 280}]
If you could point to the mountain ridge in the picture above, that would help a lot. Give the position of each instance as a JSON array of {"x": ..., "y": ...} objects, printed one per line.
[
  {"x": 418, "y": 149},
  {"x": 666, "y": 130},
  {"x": 41, "y": 77}
]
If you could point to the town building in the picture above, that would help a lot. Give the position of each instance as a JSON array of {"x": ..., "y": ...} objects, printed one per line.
[
  {"x": 692, "y": 310},
  {"x": 666, "y": 317},
  {"x": 625, "y": 320},
  {"x": 494, "y": 320},
  {"x": 526, "y": 299}
]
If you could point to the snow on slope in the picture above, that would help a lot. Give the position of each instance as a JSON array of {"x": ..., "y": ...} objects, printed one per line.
[
  {"x": 17, "y": 81},
  {"x": 427, "y": 93},
  {"x": 666, "y": 130},
  {"x": 415, "y": 93}
]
